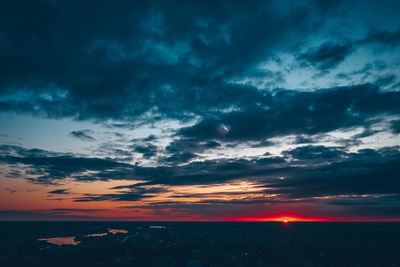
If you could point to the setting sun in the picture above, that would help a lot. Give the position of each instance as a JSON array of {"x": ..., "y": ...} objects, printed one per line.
[{"x": 284, "y": 219}]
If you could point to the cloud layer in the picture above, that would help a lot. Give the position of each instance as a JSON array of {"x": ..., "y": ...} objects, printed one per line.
[{"x": 297, "y": 103}]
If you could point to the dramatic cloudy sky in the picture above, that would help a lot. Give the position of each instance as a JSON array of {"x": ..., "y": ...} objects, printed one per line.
[{"x": 196, "y": 110}]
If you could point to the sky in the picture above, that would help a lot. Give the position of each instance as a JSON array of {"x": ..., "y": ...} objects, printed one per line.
[{"x": 197, "y": 110}]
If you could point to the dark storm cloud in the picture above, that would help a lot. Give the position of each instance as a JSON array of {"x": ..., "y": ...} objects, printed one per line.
[
  {"x": 64, "y": 164},
  {"x": 59, "y": 191},
  {"x": 141, "y": 57},
  {"x": 315, "y": 152},
  {"x": 101, "y": 60},
  {"x": 147, "y": 150},
  {"x": 136, "y": 193},
  {"x": 302, "y": 172},
  {"x": 309, "y": 139},
  {"x": 149, "y": 138},
  {"x": 84, "y": 135},
  {"x": 292, "y": 112},
  {"x": 184, "y": 149},
  {"x": 14, "y": 150},
  {"x": 191, "y": 145},
  {"x": 53, "y": 168},
  {"x": 180, "y": 157},
  {"x": 389, "y": 38},
  {"x": 365, "y": 133},
  {"x": 367, "y": 172},
  {"x": 47, "y": 167},
  {"x": 327, "y": 55},
  {"x": 111, "y": 197},
  {"x": 212, "y": 171},
  {"x": 386, "y": 79},
  {"x": 78, "y": 210},
  {"x": 395, "y": 126},
  {"x": 323, "y": 171}
]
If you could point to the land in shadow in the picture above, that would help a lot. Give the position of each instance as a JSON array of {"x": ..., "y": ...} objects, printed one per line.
[{"x": 200, "y": 244}]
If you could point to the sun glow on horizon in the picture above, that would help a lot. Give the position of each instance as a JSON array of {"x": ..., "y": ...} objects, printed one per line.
[{"x": 284, "y": 219}]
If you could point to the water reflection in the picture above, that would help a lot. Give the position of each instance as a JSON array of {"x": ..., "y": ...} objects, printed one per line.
[
  {"x": 96, "y": 235},
  {"x": 117, "y": 231},
  {"x": 157, "y": 227},
  {"x": 67, "y": 240},
  {"x": 110, "y": 231},
  {"x": 70, "y": 240}
]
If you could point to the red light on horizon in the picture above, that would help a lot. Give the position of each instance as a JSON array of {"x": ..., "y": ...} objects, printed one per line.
[
  {"x": 283, "y": 219},
  {"x": 297, "y": 218}
]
